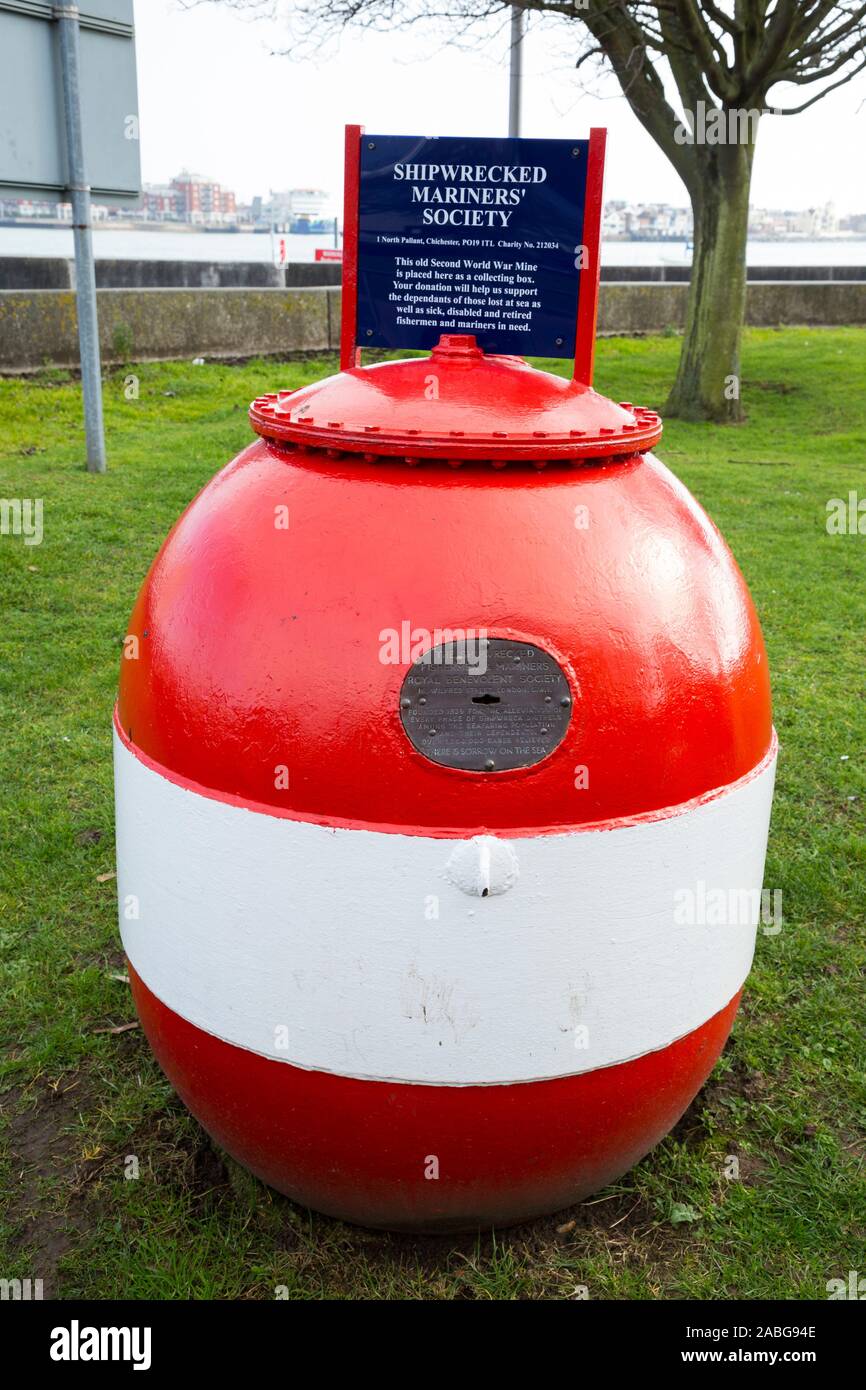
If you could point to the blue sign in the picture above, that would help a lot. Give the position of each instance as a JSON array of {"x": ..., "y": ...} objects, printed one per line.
[{"x": 470, "y": 236}]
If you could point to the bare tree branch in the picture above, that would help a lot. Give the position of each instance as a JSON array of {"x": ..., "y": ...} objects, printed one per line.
[{"x": 727, "y": 55}]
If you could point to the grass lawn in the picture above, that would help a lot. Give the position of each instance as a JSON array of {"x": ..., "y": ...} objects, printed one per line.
[{"x": 788, "y": 1097}]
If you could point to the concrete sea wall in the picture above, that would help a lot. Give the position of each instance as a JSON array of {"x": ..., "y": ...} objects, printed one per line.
[{"x": 38, "y": 327}]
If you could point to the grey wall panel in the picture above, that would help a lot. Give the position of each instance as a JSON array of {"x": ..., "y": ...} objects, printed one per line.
[{"x": 32, "y": 159}]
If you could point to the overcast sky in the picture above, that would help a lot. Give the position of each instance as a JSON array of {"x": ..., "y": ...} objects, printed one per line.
[{"x": 213, "y": 99}]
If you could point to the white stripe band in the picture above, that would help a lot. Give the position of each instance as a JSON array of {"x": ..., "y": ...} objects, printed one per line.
[{"x": 370, "y": 954}]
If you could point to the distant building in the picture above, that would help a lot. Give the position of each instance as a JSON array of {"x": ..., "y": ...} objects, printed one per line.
[
  {"x": 98, "y": 212},
  {"x": 298, "y": 210},
  {"x": 28, "y": 208},
  {"x": 646, "y": 221},
  {"x": 827, "y": 220},
  {"x": 802, "y": 222},
  {"x": 201, "y": 200},
  {"x": 160, "y": 202},
  {"x": 613, "y": 219}
]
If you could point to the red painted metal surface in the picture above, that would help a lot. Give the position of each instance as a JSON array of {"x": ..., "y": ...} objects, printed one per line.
[
  {"x": 255, "y": 640},
  {"x": 590, "y": 275},
  {"x": 261, "y": 630},
  {"x": 458, "y": 403},
  {"x": 358, "y": 1149},
  {"x": 350, "y": 353}
]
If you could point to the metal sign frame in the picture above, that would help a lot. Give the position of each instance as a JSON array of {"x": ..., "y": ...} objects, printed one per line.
[{"x": 589, "y": 274}]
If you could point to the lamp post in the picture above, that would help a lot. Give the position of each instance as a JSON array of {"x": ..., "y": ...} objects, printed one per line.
[
  {"x": 515, "y": 74},
  {"x": 66, "y": 17}
]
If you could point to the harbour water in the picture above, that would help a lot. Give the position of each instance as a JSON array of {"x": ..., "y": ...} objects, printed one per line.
[{"x": 113, "y": 244}]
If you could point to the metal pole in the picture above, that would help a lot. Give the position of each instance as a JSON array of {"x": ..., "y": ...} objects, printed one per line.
[
  {"x": 515, "y": 74},
  {"x": 66, "y": 17}
]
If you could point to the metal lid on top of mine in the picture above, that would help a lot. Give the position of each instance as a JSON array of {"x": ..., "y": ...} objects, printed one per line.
[{"x": 459, "y": 404}]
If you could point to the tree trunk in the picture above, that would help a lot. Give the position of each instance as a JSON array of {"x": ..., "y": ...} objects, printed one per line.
[{"x": 707, "y": 385}]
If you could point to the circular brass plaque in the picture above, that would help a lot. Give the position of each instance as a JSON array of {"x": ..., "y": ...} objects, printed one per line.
[{"x": 485, "y": 705}]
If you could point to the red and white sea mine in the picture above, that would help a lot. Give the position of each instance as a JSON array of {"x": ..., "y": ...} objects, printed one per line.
[{"x": 405, "y": 933}]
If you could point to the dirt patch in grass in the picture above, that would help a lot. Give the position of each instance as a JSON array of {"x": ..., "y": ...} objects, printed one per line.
[
  {"x": 551, "y": 1258},
  {"x": 44, "y": 1207},
  {"x": 778, "y": 388},
  {"x": 205, "y": 1173},
  {"x": 167, "y": 1142}
]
